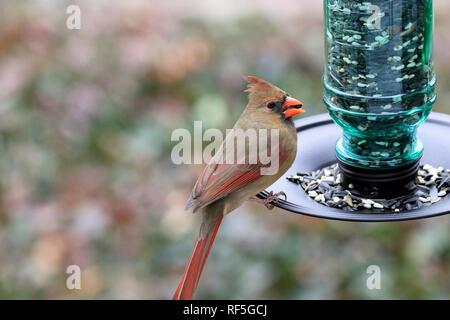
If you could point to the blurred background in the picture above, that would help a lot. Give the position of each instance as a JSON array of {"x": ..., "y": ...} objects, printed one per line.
[{"x": 86, "y": 177}]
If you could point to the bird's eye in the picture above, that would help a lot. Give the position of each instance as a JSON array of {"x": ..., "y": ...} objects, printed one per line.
[{"x": 271, "y": 105}]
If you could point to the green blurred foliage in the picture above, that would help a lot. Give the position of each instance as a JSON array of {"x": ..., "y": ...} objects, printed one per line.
[{"x": 86, "y": 118}]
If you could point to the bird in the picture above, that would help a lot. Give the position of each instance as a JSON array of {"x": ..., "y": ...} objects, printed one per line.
[{"x": 223, "y": 187}]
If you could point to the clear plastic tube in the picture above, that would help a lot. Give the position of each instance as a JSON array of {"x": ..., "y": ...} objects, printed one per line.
[{"x": 379, "y": 79}]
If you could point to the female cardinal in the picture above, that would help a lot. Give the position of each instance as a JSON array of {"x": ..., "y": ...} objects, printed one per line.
[{"x": 222, "y": 187}]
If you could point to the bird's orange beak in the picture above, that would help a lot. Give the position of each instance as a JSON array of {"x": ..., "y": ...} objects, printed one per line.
[{"x": 292, "y": 107}]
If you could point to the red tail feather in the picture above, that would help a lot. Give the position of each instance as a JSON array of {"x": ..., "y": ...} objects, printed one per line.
[{"x": 195, "y": 265}]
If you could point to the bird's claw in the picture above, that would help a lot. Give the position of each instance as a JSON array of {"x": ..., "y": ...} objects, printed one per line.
[{"x": 271, "y": 197}]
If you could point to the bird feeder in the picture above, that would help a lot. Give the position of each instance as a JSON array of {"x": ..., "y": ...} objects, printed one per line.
[{"x": 379, "y": 88}]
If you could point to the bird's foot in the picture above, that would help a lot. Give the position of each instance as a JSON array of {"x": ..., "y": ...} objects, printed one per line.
[{"x": 271, "y": 197}]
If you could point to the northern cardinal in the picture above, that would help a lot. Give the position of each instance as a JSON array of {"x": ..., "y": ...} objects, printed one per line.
[{"x": 223, "y": 187}]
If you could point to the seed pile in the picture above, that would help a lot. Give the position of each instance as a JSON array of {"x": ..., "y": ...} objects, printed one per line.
[{"x": 324, "y": 187}]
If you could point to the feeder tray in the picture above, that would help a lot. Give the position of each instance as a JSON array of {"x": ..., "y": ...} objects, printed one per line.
[{"x": 317, "y": 136}]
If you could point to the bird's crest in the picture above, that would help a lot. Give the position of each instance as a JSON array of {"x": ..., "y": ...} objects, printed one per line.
[{"x": 257, "y": 84}]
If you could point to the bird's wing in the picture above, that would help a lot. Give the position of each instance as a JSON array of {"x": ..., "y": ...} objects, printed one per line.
[{"x": 218, "y": 180}]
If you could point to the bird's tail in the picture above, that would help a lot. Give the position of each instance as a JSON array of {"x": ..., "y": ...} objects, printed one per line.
[{"x": 197, "y": 259}]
